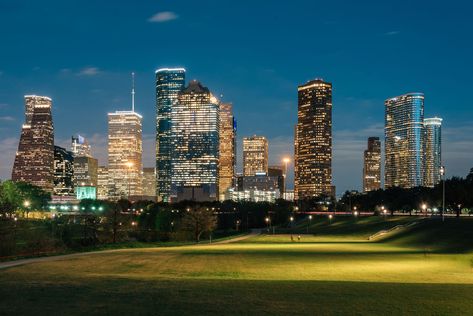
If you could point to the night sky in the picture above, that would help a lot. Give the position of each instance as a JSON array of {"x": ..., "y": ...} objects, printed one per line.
[{"x": 254, "y": 53}]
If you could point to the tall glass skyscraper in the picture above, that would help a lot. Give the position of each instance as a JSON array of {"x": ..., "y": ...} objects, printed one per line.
[
  {"x": 313, "y": 140},
  {"x": 169, "y": 82},
  {"x": 432, "y": 151},
  {"x": 34, "y": 160},
  {"x": 63, "y": 172},
  {"x": 404, "y": 126},
  {"x": 195, "y": 145},
  {"x": 227, "y": 158},
  {"x": 372, "y": 165}
]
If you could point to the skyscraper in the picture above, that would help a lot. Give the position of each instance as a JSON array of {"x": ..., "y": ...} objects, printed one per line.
[
  {"x": 372, "y": 165},
  {"x": 149, "y": 183},
  {"x": 169, "y": 82},
  {"x": 80, "y": 147},
  {"x": 102, "y": 183},
  {"x": 195, "y": 143},
  {"x": 432, "y": 151},
  {"x": 255, "y": 155},
  {"x": 227, "y": 158},
  {"x": 125, "y": 150},
  {"x": 124, "y": 154},
  {"x": 63, "y": 172},
  {"x": 313, "y": 140},
  {"x": 404, "y": 120},
  {"x": 34, "y": 160}
]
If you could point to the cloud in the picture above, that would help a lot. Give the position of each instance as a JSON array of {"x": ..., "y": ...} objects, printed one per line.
[
  {"x": 7, "y": 118},
  {"x": 164, "y": 16},
  {"x": 392, "y": 33},
  {"x": 89, "y": 71}
]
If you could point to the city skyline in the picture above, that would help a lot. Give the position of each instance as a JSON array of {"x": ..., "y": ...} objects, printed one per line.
[{"x": 358, "y": 113}]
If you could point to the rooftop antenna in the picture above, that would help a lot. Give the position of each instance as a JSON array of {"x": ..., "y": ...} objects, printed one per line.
[{"x": 133, "y": 92}]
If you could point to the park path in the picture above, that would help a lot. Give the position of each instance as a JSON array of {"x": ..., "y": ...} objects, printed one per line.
[{"x": 20, "y": 262}]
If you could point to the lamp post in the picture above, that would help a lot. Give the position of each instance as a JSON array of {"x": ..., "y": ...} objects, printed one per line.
[
  {"x": 330, "y": 216},
  {"x": 424, "y": 209},
  {"x": 268, "y": 221},
  {"x": 292, "y": 220},
  {"x": 286, "y": 162},
  {"x": 26, "y": 204},
  {"x": 309, "y": 222},
  {"x": 442, "y": 176}
]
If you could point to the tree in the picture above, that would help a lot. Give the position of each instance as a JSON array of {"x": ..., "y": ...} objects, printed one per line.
[
  {"x": 10, "y": 197},
  {"x": 199, "y": 221}
]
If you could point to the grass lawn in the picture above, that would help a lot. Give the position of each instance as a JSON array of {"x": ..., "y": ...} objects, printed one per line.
[{"x": 264, "y": 275}]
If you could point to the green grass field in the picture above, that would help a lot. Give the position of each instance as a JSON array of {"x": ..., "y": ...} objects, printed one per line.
[{"x": 330, "y": 273}]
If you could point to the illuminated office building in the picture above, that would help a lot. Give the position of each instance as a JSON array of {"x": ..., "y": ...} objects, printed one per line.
[
  {"x": 149, "y": 184},
  {"x": 63, "y": 172},
  {"x": 372, "y": 165},
  {"x": 280, "y": 173},
  {"x": 103, "y": 186},
  {"x": 195, "y": 144},
  {"x": 80, "y": 147},
  {"x": 227, "y": 159},
  {"x": 404, "y": 120},
  {"x": 432, "y": 151},
  {"x": 169, "y": 82},
  {"x": 255, "y": 155},
  {"x": 85, "y": 171},
  {"x": 313, "y": 141},
  {"x": 34, "y": 160}
]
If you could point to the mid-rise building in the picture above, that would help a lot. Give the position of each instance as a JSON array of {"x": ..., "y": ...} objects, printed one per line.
[
  {"x": 404, "y": 132},
  {"x": 252, "y": 195},
  {"x": 255, "y": 155},
  {"x": 149, "y": 184},
  {"x": 103, "y": 186},
  {"x": 34, "y": 160},
  {"x": 63, "y": 172},
  {"x": 227, "y": 159},
  {"x": 280, "y": 173},
  {"x": 169, "y": 82},
  {"x": 432, "y": 151},
  {"x": 372, "y": 165},
  {"x": 313, "y": 141},
  {"x": 260, "y": 182},
  {"x": 85, "y": 171},
  {"x": 195, "y": 144}
]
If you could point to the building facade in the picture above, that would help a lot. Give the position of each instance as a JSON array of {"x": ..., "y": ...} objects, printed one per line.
[
  {"x": 149, "y": 184},
  {"x": 34, "y": 160},
  {"x": 63, "y": 172},
  {"x": 313, "y": 140},
  {"x": 404, "y": 120},
  {"x": 255, "y": 155},
  {"x": 103, "y": 186},
  {"x": 80, "y": 147},
  {"x": 195, "y": 143},
  {"x": 372, "y": 165},
  {"x": 432, "y": 151},
  {"x": 124, "y": 154},
  {"x": 85, "y": 171},
  {"x": 280, "y": 173},
  {"x": 227, "y": 159},
  {"x": 169, "y": 82}
]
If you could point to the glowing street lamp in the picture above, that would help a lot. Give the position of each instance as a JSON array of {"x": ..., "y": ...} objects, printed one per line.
[
  {"x": 442, "y": 176},
  {"x": 309, "y": 223},
  {"x": 424, "y": 208},
  {"x": 330, "y": 216},
  {"x": 26, "y": 204}
]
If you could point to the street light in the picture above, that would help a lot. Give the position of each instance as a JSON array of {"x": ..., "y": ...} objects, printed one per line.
[
  {"x": 268, "y": 221},
  {"x": 309, "y": 223},
  {"x": 286, "y": 162},
  {"x": 442, "y": 176},
  {"x": 26, "y": 204},
  {"x": 424, "y": 208},
  {"x": 330, "y": 216}
]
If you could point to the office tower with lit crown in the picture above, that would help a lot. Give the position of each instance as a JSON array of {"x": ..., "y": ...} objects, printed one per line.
[
  {"x": 404, "y": 121},
  {"x": 313, "y": 141},
  {"x": 169, "y": 82},
  {"x": 227, "y": 158},
  {"x": 149, "y": 184},
  {"x": 125, "y": 150},
  {"x": 34, "y": 160},
  {"x": 432, "y": 151},
  {"x": 102, "y": 183},
  {"x": 195, "y": 143},
  {"x": 80, "y": 147},
  {"x": 255, "y": 155},
  {"x": 372, "y": 165},
  {"x": 63, "y": 172}
]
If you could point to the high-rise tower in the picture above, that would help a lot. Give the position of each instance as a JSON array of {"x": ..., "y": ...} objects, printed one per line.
[
  {"x": 313, "y": 140},
  {"x": 372, "y": 165},
  {"x": 34, "y": 160},
  {"x": 227, "y": 158},
  {"x": 404, "y": 120},
  {"x": 432, "y": 151},
  {"x": 255, "y": 155},
  {"x": 195, "y": 144},
  {"x": 169, "y": 82}
]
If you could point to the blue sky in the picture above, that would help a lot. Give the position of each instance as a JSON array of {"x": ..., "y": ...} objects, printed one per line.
[{"x": 254, "y": 53}]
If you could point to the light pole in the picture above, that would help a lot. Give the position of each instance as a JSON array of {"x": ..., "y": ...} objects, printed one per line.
[
  {"x": 330, "y": 216},
  {"x": 442, "y": 175},
  {"x": 424, "y": 209},
  {"x": 26, "y": 204},
  {"x": 286, "y": 162},
  {"x": 268, "y": 221},
  {"x": 309, "y": 222}
]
